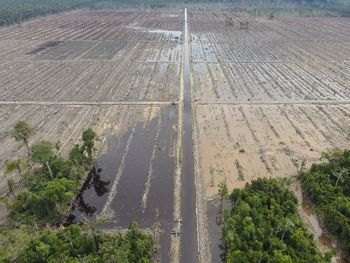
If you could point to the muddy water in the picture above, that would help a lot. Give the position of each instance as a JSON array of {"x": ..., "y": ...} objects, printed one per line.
[
  {"x": 147, "y": 163},
  {"x": 189, "y": 247},
  {"x": 309, "y": 216}
]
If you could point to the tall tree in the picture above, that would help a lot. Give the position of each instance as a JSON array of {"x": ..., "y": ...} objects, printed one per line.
[
  {"x": 21, "y": 133},
  {"x": 11, "y": 186},
  {"x": 42, "y": 152},
  {"x": 89, "y": 137},
  {"x": 223, "y": 193}
]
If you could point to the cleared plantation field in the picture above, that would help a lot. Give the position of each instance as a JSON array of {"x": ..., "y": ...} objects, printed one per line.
[
  {"x": 283, "y": 77},
  {"x": 267, "y": 95},
  {"x": 66, "y": 62},
  {"x": 241, "y": 143},
  {"x": 271, "y": 82},
  {"x": 90, "y": 81},
  {"x": 212, "y": 27},
  {"x": 85, "y": 51},
  {"x": 102, "y": 25}
]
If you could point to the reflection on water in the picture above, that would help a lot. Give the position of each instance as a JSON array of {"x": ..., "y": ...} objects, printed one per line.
[{"x": 100, "y": 187}]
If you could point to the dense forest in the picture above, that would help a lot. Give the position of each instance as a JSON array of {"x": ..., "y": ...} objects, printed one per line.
[
  {"x": 34, "y": 230},
  {"x": 264, "y": 226},
  {"x": 16, "y": 11},
  {"x": 327, "y": 185}
]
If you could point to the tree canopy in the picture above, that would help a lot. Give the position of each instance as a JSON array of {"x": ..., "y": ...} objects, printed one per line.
[
  {"x": 74, "y": 244},
  {"x": 21, "y": 133},
  {"x": 264, "y": 226}
]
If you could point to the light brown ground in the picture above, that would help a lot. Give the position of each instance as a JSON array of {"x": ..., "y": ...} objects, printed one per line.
[
  {"x": 241, "y": 143},
  {"x": 265, "y": 98}
]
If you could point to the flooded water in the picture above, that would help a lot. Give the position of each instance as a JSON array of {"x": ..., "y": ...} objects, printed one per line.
[
  {"x": 143, "y": 159},
  {"x": 310, "y": 218},
  {"x": 93, "y": 195},
  {"x": 214, "y": 230},
  {"x": 189, "y": 246},
  {"x": 168, "y": 34}
]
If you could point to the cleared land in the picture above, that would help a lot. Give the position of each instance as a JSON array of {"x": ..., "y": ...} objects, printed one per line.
[
  {"x": 267, "y": 95},
  {"x": 264, "y": 98}
]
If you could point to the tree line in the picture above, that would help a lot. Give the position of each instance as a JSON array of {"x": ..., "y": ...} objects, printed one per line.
[
  {"x": 49, "y": 182},
  {"x": 17, "y": 11}
]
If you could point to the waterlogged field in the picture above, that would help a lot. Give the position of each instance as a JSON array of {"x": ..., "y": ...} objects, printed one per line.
[{"x": 118, "y": 73}]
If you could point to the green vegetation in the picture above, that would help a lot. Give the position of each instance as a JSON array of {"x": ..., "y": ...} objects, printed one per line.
[
  {"x": 74, "y": 243},
  {"x": 21, "y": 133},
  {"x": 16, "y": 11},
  {"x": 50, "y": 182},
  {"x": 264, "y": 226},
  {"x": 327, "y": 185}
]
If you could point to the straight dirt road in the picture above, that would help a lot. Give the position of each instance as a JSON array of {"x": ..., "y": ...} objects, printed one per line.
[{"x": 188, "y": 196}]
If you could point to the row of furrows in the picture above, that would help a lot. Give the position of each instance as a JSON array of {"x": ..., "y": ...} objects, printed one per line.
[
  {"x": 69, "y": 26},
  {"x": 217, "y": 22},
  {"x": 278, "y": 51},
  {"x": 89, "y": 81},
  {"x": 274, "y": 135},
  {"x": 108, "y": 51},
  {"x": 271, "y": 81},
  {"x": 214, "y": 27}
]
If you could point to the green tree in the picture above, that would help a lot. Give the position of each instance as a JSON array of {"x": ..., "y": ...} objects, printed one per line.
[
  {"x": 22, "y": 132},
  {"x": 11, "y": 186},
  {"x": 89, "y": 137},
  {"x": 223, "y": 193},
  {"x": 16, "y": 164},
  {"x": 264, "y": 226},
  {"x": 42, "y": 152}
]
